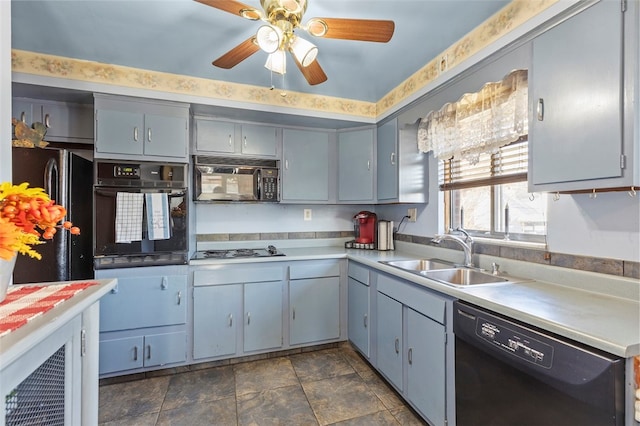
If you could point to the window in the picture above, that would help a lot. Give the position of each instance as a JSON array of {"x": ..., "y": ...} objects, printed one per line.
[{"x": 481, "y": 197}]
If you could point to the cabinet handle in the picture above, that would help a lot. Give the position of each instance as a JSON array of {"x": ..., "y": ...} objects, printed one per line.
[
  {"x": 179, "y": 297},
  {"x": 286, "y": 164},
  {"x": 149, "y": 134},
  {"x": 47, "y": 121},
  {"x": 23, "y": 117},
  {"x": 114, "y": 290},
  {"x": 230, "y": 320},
  {"x": 540, "y": 109},
  {"x": 368, "y": 164},
  {"x": 230, "y": 140},
  {"x": 294, "y": 314},
  {"x": 393, "y": 158},
  {"x": 135, "y": 353},
  {"x": 245, "y": 141},
  {"x": 83, "y": 342},
  {"x": 164, "y": 284},
  {"x": 135, "y": 134},
  {"x": 148, "y": 351},
  {"x": 366, "y": 320},
  {"x": 248, "y": 318},
  {"x": 410, "y": 356},
  {"x": 397, "y": 345}
]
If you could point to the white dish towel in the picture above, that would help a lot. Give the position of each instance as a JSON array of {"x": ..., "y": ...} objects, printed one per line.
[
  {"x": 128, "y": 217},
  {"x": 158, "y": 216}
]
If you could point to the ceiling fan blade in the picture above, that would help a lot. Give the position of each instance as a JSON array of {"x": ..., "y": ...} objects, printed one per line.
[
  {"x": 312, "y": 72},
  {"x": 234, "y": 7},
  {"x": 352, "y": 29},
  {"x": 237, "y": 54}
]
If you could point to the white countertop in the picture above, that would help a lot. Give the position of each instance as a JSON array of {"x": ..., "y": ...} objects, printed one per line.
[{"x": 599, "y": 310}]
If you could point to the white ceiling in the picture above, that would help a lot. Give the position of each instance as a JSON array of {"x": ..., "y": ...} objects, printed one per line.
[{"x": 183, "y": 37}]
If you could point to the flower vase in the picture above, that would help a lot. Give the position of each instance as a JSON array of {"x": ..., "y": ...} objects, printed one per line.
[{"x": 6, "y": 273}]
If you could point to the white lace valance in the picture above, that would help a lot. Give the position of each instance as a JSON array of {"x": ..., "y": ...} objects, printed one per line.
[{"x": 479, "y": 122}]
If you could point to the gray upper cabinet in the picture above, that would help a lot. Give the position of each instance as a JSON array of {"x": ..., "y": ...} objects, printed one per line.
[
  {"x": 356, "y": 166},
  {"x": 402, "y": 171},
  {"x": 130, "y": 128},
  {"x": 577, "y": 102},
  {"x": 221, "y": 137},
  {"x": 66, "y": 122},
  {"x": 305, "y": 166}
]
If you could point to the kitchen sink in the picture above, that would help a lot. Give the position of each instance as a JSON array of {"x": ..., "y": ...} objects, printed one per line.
[
  {"x": 419, "y": 265},
  {"x": 464, "y": 277}
]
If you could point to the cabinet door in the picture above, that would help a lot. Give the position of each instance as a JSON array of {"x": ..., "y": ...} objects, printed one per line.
[
  {"x": 139, "y": 302},
  {"x": 426, "y": 366},
  {"x": 215, "y": 136},
  {"x": 387, "y": 166},
  {"x": 575, "y": 97},
  {"x": 389, "y": 338},
  {"x": 121, "y": 354},
  {"x": 262, "y": 315},
  {"x": 165, "y": 136},
  {"x": 355, "y": 165},
  {"x": 165, "y": 348},
  {"x": 67, "y": 121},
  {"x": 119, "y": 132},
  {"x": 258, "y": 140},
  {"x": 314, "y": 309},
  {"x": 23, "y": 110},
  {"x": 305, "y": 169},
  {"x": 216, "y": 312},
  {"x": 359, "y": 315}
]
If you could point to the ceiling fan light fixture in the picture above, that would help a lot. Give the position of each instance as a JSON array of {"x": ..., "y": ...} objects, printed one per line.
[
  {"x": 251, "y": 14},
  {"x": 317, "y": 27},
  {"x": 269, "y": 38},
  {"x": 277, "y": 62},
  {"x": 304, "y": 51}
]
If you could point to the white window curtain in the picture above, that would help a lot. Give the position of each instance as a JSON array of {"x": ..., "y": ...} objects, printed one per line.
[{"x": 480, "y": 122}]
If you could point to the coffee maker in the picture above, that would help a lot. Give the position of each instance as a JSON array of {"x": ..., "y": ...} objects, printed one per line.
[{"x": 365, "y": 227}]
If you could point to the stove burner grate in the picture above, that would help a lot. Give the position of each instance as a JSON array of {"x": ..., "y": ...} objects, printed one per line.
[
  {"x": 218, "y": 254},
  {"x": 244, "y": 253}
]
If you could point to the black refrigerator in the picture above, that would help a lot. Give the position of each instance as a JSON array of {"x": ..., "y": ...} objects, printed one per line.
[{"x": 67, "y": 177}]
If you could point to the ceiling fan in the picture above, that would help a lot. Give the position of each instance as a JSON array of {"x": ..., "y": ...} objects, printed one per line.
[{"x": 277, "y": 36}]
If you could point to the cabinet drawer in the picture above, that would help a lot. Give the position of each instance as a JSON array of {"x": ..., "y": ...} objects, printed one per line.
[
  {"x": 237, "y": 275},
  {"x": 314, "y": 270},
  {"x": 359, "y": 273},
  {"x": 416, "y": 298},
  {"x": 121, "y": 354},
  {"x": 144, "y": 302}
]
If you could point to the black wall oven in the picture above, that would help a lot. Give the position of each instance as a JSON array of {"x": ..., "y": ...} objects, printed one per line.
[
  {"x": 508, "y": 373},
  {"x": 113, "y": 184}
]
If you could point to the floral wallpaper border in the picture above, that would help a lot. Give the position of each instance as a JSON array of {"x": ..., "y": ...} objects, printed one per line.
[{"x": 511, "y": 16}]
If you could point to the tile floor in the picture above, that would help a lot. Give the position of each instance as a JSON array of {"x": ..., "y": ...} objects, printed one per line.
[{"x": 324, "y": 387}]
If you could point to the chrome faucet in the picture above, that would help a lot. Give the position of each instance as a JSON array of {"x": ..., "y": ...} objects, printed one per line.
[{"x": 466, "y": 243}]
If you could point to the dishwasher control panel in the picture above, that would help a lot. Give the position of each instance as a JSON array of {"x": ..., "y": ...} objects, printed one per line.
[{"x": 515, "y": 343}]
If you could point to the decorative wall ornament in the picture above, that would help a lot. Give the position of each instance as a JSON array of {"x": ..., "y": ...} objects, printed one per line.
[{"x": 480, "y": 122}]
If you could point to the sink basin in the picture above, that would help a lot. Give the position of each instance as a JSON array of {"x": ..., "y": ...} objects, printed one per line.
[
  {"x": 464, "y": 277},
  {"x": 419, "y": 265}
]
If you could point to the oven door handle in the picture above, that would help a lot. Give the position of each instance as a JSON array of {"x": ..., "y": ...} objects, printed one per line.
[{"x": 113, "y": 193}]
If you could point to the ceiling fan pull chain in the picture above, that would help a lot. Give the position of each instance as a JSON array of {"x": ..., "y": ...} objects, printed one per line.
[{"x": 283, "y": 93}]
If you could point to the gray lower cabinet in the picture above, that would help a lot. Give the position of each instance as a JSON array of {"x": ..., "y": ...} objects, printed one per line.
[
  {"x": 131, "y": 128},
  {"x": 356, "y": 167},
  {"x": 359, "y": 310},
  {"x": 305, "y": 166},
  {"x": 314, "y": 302},
  {"x": 237, "y": 310},
  {"x": 411, "y": 344},
  {"x": 143, "y": 319}
]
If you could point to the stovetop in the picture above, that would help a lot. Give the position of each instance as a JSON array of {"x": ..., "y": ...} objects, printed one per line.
[{"x": 238, "y": 253}]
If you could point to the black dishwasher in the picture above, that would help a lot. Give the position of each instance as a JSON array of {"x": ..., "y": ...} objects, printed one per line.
[{"x": 508, "y": 373}]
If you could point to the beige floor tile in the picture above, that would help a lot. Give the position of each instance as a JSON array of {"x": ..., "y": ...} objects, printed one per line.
[
  {"x": 266, "y": 374},
  {"x": 220, "y": 413},
  {"x": 282, "y": 406},
  {"x": 383, "y": 391},
  {"x": 341, "y": 398},
  {"x": 381, "y": 418},
  {"x": 357, "y": 361},
  {"x": 320, "y": 365},
  {"x": 200, "y": 386},
  {"x": 144, "y": 420},
  {"x": 407, "y": 417},
  {"x": 132, "y": 399}
]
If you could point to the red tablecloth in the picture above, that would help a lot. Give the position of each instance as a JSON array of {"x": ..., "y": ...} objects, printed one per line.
[{"x": 24, "y": 303}]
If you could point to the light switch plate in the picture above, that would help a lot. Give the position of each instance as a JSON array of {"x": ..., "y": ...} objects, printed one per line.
[
  {"x": 413, "y": 214},
  {"x": 307, "y": 214}
]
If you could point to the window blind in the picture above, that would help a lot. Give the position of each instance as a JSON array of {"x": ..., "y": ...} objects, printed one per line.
[{"x": 509, "y": 164}]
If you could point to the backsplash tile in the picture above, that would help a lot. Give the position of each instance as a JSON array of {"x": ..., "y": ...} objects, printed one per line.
[{"x": 593, "y": 264}]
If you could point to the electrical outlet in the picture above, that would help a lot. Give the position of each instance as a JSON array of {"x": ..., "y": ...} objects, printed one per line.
[
  {"x": 413, "y": 214},
  {"x": 307, "y": 214}
]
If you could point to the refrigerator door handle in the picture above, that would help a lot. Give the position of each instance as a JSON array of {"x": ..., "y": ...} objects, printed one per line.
[{"x": 51, "y": 176}]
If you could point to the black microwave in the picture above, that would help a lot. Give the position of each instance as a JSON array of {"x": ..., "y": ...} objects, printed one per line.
[{"x": 235, "y": 179}]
